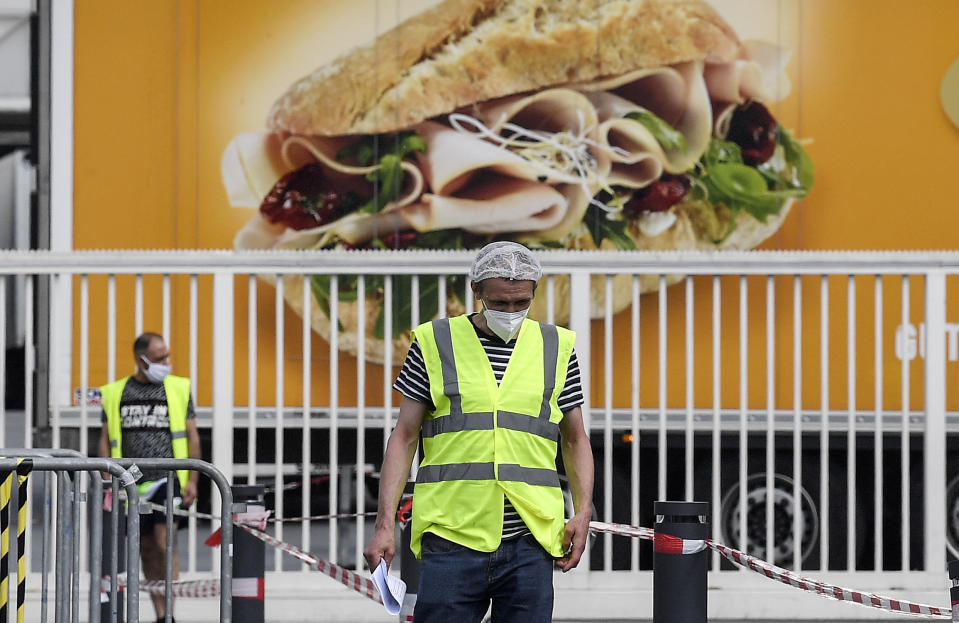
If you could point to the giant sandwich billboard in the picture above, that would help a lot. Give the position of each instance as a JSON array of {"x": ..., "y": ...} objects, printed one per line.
[{"x": 620, "y": 125}]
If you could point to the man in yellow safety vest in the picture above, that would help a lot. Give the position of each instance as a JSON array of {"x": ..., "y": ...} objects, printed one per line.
[
  {"x": 493, "y": 395},
  {"x": 150, "y": 415}
]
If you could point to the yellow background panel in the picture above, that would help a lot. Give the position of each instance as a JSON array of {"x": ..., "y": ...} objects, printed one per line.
[{"x": 161, "y": 88}]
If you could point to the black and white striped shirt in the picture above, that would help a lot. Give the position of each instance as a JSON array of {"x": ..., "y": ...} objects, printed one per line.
[{"x": 414, "y": 383}]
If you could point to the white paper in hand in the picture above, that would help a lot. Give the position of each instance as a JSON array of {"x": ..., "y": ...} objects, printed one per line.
[{"x": 392, "y": 589}]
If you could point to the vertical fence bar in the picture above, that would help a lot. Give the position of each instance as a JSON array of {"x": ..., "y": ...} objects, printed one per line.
[
  {"x": 717, "y": 413},
  {"x": 743, "y": 405},
  {"x": 29, "y": 362},
  {"x": 934, "y": 437},
  {"x": 166, "y": 305},
  {"x": 388, "y": 353},
  {"x": 550, "y": 299},
  {"x": 306, "y": 428},
  {"x": 608, "y": 419},
  {"x": 824, "y": 412},
  {"x": 877, "y": 464},
  {"x": 440, "y": 296},
  {"x": 468, "y": 297},
  {"x": 797, "y": 423},
  {"x": 690, "y": 384},
  {"x": 334, "y": 416},
  {"x": 84, "y": 359},
  {"x": 193, "y": 348},
  {"x": 46, "y": 547},
  {"x": 661, "y": 446},
  {"x": 51, "y": 403},
  {"x": 222, "y": 395},
  {"x": 111, "y": 327},
  {"x": 770, "y": 415},
  {"x": 138, "y": 304},
  {"x": 851, "y": 425},
  {"x": 251, "y": 380},
  {"x": 580, "y": 322},
  {"x": 75, "y": 547},
  {"x": 361, "y": 410},
  {"x": 279, "y": 379},
  {"x": 905, "y": 470},
  {"x": 634, "y": 423},
  {"x": 84, "y": 388}
]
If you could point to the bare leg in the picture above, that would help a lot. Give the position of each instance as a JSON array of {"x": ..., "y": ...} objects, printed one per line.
[{"x": 153, "y": 551}]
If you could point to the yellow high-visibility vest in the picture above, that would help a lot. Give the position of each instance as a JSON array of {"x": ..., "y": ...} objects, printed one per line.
[
  {"x": 483, "y": 442},
  {"x": 177, "y": 399}
]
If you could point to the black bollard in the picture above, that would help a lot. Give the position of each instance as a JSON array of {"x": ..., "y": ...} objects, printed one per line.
[
  {"x": 249, "y": 556},
  {"x": 954, "y": 591},
  {"x": 409, "y": 565},
  {"x": 679, "y": 579}
]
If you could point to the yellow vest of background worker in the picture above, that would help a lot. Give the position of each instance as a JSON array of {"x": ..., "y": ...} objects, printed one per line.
[
  {"x": 177, "y": 398},
  {"x": 483, "y": 441}
]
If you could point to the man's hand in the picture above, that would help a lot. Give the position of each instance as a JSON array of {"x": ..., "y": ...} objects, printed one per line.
[
  {"x": 574, "y": 542},
  {"x": 188, "y": 494},
  {"x": 382, "y": 545}
]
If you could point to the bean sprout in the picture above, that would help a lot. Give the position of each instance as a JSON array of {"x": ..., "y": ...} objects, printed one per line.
[{"x": 570, "y": 153}]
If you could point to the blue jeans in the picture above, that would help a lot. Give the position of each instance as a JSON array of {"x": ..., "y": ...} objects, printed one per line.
[{"x": 457, "y": 584}]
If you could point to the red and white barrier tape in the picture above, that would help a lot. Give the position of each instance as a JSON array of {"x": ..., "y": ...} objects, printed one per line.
[
  {"x": 361, "y": 585},
  {"x": 829, "y": 591},
  {"x": 193, "y": 513},
  {"x": 663, "y": 543},
  {"x": 674, "y": 545},
  {"x": 179, "y": 588}
]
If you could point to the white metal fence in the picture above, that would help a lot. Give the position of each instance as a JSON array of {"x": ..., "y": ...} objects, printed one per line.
[{"x": 826, "y": 379}]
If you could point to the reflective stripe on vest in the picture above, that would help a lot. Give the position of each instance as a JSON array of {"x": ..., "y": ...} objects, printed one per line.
[
  {"x": 485, "y": 439},
  {"x": 459, "y": 421},
  {"x": 177, "y": 390}
]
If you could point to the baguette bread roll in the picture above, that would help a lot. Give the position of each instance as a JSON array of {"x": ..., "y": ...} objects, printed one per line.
[{"x": 466, "y": 51}]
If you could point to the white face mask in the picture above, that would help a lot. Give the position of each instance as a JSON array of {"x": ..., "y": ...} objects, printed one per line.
[
  {"x": 504, "y": 324},
  {"x": 155, "y": 372}
]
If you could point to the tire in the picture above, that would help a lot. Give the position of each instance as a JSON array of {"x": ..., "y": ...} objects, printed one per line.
[
  {"x": 785, "y": 507},
  {"x": 952, "y": 516}
]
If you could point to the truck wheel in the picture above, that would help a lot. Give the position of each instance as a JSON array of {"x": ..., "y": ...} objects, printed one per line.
[
  {"x": 952, "y": 516},
  {"x": 785, "y": 507}
]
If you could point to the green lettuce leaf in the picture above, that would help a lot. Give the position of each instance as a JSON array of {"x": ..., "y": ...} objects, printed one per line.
[{"x": 669, "y": 137}]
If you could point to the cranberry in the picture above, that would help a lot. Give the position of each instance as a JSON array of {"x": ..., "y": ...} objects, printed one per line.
[
  {"x": 399, "y": 240},
  {"x": 659, "y": 196},
  {"x": 300, "y": 200},
  {"x": 754, "y": 130}
]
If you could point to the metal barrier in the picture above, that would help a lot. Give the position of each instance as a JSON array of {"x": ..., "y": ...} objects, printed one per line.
[
  {"x": 123, "y": 472},
  {"x": 67, "y": 596},
  {"x": 96, "y": 528},
  {"x": 226, "y": 520}
]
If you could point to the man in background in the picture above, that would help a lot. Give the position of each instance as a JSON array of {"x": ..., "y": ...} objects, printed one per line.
[{"x": 150, "y": 415}]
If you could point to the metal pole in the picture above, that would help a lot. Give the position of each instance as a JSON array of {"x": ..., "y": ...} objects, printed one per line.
[
  {"x": 954, "y": 591},
  {"x": 680, "y": 562},
  {"x": 45, "y": 548},
  {"x": 95, "y": 514},
  {"x": 63, "y": 561},
  {"x": 226, "y": 518},
  {"x": 96, "y": 528},
  {"x": 114, "y": 614},
  {"x": 249, "y": 556},
  {"x": 75, "y": 542},
  {"x": 128, "y": 480},
  {"x": 170, "y": 544}
]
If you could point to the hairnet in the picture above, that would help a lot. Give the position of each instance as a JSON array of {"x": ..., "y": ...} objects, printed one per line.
[{"x": 505, "y": 260}]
